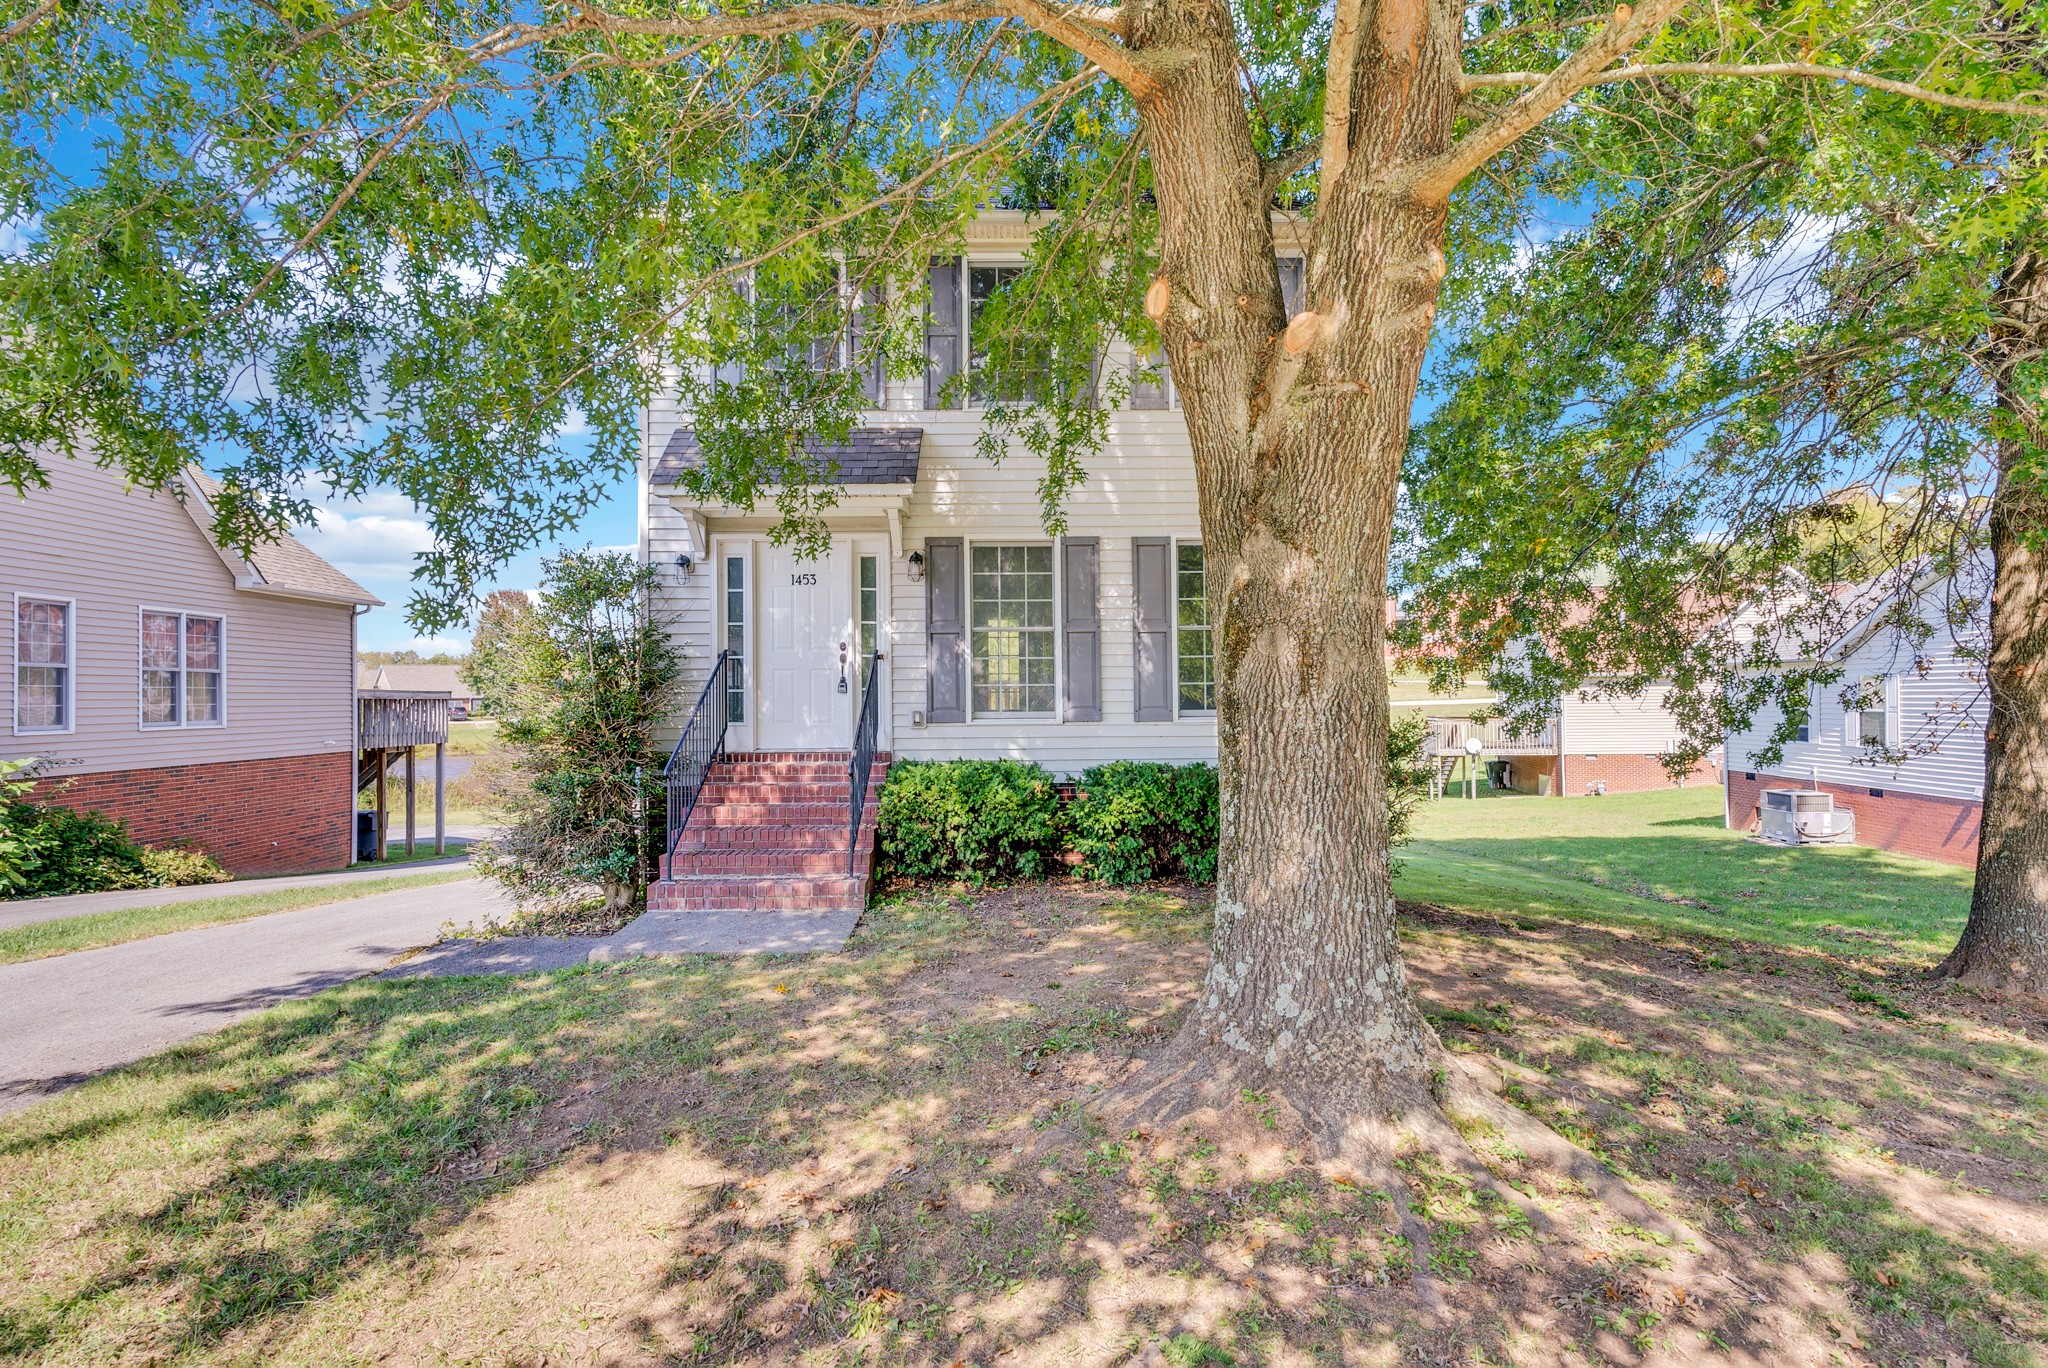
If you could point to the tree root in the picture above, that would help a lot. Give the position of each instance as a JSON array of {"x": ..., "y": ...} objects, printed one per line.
[{"x": 1360, "y": 1135}]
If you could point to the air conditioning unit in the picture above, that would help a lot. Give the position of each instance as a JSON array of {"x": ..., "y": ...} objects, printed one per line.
[{"x": 1802, "y": 817}]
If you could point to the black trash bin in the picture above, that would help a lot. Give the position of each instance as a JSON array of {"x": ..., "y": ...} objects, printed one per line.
[{"x": 366, "y": 836}]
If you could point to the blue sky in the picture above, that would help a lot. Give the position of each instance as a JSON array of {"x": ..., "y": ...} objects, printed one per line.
[{"x": 375, "y": 540}]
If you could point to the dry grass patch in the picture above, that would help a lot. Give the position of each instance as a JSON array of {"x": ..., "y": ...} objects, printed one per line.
[{"x": 891, "y": 1156}]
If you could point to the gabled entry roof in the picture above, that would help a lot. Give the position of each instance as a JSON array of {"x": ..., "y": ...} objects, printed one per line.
[{"x": 869, "y": 456}]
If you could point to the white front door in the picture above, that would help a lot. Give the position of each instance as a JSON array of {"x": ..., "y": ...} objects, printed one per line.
[{"x": 805, "y": 622}]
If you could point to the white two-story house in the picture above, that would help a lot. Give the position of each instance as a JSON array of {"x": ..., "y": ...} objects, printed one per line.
[{"x": 995, "y": 639}]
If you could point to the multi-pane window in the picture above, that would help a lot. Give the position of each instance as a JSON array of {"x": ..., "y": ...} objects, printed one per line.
[
  {"x": 1873, "y": 716},
  {"x": 870, "y": 609},
  {"x": 182, "y": 670},
  {"x": 1010, "y": 629},
  {"x": 1028, "y": 364},
  {"x": 42, "y": 665},
  {"x": 736, "y": 638},
  {"x": 1196, "y": 663}
]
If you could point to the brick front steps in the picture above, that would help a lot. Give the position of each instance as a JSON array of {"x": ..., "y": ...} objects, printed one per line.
[{"x": 769, "y": 834}]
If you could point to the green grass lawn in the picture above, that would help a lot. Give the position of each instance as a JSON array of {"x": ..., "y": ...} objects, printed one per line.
[
  {"x": 1664, "y": 859},
  {"x": 474, "y": 737},
  {"x": 889, "y": 1155},
  {"x": 39, "y": 940}
]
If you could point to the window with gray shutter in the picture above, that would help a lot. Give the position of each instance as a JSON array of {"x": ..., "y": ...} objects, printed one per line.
[
  {"x": 1152, "y": 620},
  {"x": 1081, "y": 623},
  {"x": 942, "y": 333},
  {"x": 945, "y": 644}
]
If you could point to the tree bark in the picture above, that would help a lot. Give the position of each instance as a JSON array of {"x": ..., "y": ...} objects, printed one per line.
[
  {"x": 1298, "y": 446},
  {"x": 2004, "y": 945}
]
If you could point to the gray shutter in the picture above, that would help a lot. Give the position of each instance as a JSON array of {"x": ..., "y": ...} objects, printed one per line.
[
  {"x": 731, "y": 371},
  {"x": 945, "y": 630},
  {"x": 860, "y": 336},
  {"x": 1152, "y": 591},
  {"x": 942, "y": 331},
  {"x": 1290, "y": 285},
  {"x": 1081, "y": 628},
  {"x": 1147, "y": 392}
]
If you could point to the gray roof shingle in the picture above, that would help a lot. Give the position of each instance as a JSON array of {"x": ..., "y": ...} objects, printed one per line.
[{"x": 869, "y": 456}]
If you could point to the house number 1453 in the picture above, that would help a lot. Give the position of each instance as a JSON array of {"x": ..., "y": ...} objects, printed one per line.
[{"x": 808, "y": 577}]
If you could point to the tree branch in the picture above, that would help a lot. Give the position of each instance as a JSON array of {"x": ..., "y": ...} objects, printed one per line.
[
  {"x": 1650, "y": 71},
  {"x": 28, "y": 21},
  {"x": 1344, "y": 31},
  {"x": 1276, "y": 170},
  {"x": 1073, "y": 26},
  {"x": 1432, "y": 181}
]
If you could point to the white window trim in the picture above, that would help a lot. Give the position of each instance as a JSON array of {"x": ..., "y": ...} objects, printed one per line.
[
  {"x": 70, "y": 663},
  {"x": 1852, "y": 737},
  {"x": 740, "y": 548},
  {"x": 184, "y": 713},
  {"x": 970, "y": 401},
  {"x": 1180, "y": 713},
  {"x": 1059, "y": 655}
]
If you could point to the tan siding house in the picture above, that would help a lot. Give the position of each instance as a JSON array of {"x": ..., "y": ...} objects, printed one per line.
[{"x": 203, "y": 698}]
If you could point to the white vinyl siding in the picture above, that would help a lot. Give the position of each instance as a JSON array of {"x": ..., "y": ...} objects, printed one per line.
[
  {"x": 45, "y": 668},
  {"x": 1933, "y": 717}
]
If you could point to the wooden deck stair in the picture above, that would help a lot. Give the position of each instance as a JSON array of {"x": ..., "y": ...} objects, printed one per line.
[{"x": 769, "y": 833}]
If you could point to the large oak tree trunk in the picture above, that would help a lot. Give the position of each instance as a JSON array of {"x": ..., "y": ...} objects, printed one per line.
[
  {"x": 1298, "y": 447},
  {"x": 2004, "y": 946}
]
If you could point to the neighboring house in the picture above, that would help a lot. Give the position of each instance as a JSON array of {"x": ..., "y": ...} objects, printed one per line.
[
  {"x": 999, "y": 641},
  {"x": 1898, "y": 739},
  {"x": 1593, "y": 744},
  {"x": 424, "y": 679},
  {"x": 204, "y": 698}
]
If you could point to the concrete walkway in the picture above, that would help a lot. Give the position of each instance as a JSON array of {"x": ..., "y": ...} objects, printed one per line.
[
  {"x": 66, "y": 1018},
  {"x": 656, "y": 934}
]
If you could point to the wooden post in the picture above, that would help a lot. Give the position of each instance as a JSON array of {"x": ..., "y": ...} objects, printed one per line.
[
  {"x": 383, "y": 805},
  {"x": 410, "y": 775},
  {"x": 440, "y": 798}
]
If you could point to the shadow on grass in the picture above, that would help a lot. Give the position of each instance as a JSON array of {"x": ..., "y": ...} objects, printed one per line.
[{"x": 887, "y": 1153}]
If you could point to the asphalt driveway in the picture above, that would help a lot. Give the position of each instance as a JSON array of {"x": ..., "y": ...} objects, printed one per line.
[{"x": 66, "y": 1018}]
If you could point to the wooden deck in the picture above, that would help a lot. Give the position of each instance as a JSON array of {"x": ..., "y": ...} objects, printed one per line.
[{"x": 1447, "y": 737}]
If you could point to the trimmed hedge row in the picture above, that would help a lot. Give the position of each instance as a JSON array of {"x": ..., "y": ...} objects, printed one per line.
[{"x": 1129, "y": 820}]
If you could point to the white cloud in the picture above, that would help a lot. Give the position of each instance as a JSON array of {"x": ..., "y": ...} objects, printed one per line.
[
  {"x": 434, "y": 645},
  {"x": 18, "y": 233}
]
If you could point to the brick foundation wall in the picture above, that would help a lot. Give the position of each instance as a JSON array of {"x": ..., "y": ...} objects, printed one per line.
[
  {"x": 1943, "y": 829},
  {"x": 281, "y": 816},
  {"x": 1628, "y": 774},
  {"x": 1525, "y": 773}
]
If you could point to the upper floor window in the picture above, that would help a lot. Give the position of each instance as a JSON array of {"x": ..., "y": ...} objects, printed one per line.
[
  {"x": 183, "y": 669},
  {"x": 1010, "y": 629},
  {"x": 1195, "y": 663},
  {"x": 43, "y": 665}
]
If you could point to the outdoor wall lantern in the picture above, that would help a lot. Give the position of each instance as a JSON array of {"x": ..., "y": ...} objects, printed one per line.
[
  {"x": 684, "y": 565},
  {"x": 917, "y": 567}
]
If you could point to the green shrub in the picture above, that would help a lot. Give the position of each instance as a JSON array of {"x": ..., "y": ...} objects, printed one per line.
[
  {"x": 47, "y": 850},
  {"x": 176, "y": 866},
  {"x": 1134, "y": 821},
  {"x": 61, "y": 851},
  {"x": 969, "y": 819}
]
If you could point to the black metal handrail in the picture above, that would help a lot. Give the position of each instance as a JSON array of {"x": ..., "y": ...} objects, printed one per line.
[
  {"x": 697, "y": 749},
  {"x": 862, "y": 762}
]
